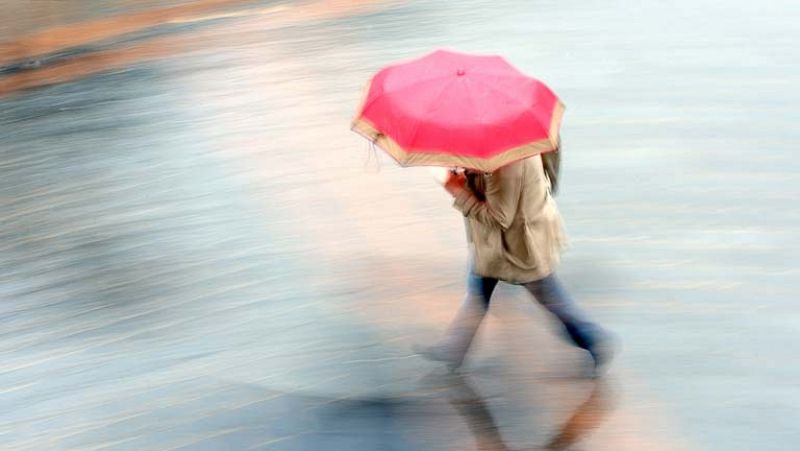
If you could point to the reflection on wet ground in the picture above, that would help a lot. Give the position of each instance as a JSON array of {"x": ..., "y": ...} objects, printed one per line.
[
  {"x": 194, "y": 255},
  {"x": 586, "y": 417},
  {"x": 426, "y": 407}
]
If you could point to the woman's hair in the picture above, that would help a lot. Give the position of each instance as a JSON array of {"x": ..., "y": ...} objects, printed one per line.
[
  {"x": 552, "y": 165},
  {"x": 475, "y": 183}
]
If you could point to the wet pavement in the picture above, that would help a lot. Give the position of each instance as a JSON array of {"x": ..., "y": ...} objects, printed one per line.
[{"x": 199, "y": 254}]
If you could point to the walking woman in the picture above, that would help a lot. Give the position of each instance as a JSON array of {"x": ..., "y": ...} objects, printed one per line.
[{"x": 515, "y": 235}]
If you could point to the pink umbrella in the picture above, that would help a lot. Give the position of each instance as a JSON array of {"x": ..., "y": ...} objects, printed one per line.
[{"x": 457, "y": 110}]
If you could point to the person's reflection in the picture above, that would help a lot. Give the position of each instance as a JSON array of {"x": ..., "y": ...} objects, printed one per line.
[
  {"x": 586, "y": 417},
  {"x": 472, "y": 407}
]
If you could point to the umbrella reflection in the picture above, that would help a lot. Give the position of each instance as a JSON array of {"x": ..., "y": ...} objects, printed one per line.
[{"x": 473, "y": 408}]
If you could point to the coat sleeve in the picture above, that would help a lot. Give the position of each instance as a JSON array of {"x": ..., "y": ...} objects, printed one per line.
[{"x": 503, "y": 190}]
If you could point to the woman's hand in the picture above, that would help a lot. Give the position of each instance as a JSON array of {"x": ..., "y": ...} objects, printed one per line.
[{"x": 455, "y": 183}]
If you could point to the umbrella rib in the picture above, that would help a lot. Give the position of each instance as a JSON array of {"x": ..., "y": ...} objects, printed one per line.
[
  {"x": 504, "y": 93},
  {"x": 383, "y": 94},
  {"x": 428, "y": 110},
  {"x": 482, "y": 120},
  {"x": 414, "y": 83},
  {"x": 527, "y": 108}
]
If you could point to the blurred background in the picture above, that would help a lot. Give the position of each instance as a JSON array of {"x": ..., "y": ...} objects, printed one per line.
[{"x": 197, "y": 252}]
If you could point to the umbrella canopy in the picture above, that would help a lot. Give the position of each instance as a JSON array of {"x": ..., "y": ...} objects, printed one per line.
[{"x": 458, "y": 110}]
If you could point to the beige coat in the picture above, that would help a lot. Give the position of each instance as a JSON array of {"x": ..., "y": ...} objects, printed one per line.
[{"x": 516, "y": 234}]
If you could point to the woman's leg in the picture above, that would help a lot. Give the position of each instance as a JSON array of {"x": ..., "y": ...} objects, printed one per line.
[
  {"x": 462, "y": 329},
  {"x": 583, "y": 332}
]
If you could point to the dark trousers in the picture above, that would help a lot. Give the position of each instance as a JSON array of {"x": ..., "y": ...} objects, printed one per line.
[{"x": 548, "y": 291}]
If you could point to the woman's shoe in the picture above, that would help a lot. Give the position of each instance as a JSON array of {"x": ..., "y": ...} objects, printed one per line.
[{"x": 603, "y": 352}]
